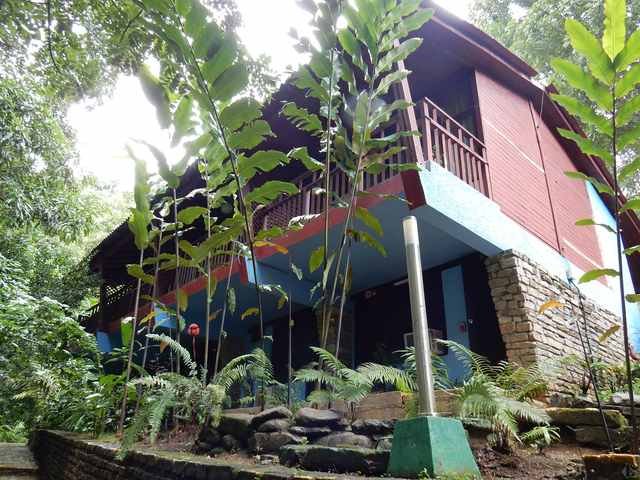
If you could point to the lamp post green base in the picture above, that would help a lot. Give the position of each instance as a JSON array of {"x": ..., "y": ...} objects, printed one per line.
[{"x": 437, "y": 445}]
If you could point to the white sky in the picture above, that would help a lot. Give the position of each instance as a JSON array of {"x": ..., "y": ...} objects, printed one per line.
[{"x": 103, "y": 131}]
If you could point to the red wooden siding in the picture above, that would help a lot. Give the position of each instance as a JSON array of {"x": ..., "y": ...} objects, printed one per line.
[
  {"x": 527, "y": 174},
  {"x": 517, "y": 174}
]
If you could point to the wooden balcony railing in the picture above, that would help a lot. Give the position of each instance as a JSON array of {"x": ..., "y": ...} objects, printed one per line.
[
  {"x": 444, "y": 141},
  {"x": 449, "y": 144}
]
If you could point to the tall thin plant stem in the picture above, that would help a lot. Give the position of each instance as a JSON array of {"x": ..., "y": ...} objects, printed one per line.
[
  {"x": 224, "y": 315},
  {"x": 289, "y": 337},
  {"x": 123, "y": 408},
  {"x": 205, "y": 362},
  {"x": 623, "y": 305},
  {"x": 343, "y": 299},
  {"x": 177, "y": 277}
]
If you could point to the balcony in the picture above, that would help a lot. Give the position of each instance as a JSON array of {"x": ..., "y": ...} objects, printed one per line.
[{"x": 444, "y": 141}]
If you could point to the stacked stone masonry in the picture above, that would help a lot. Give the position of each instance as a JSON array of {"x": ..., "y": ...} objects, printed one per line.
[{"x": 519, "y": 288}]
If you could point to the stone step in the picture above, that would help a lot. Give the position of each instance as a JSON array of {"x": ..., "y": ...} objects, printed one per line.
[{"x": 16, "y": 462}]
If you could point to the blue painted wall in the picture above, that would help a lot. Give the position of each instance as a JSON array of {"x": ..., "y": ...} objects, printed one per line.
[{"x": 455, "y": 312}]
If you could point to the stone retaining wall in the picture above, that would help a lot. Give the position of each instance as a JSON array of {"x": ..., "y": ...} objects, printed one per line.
[
  {"x": 65, "y": 456},
  {"x": 519, "y": 287}
]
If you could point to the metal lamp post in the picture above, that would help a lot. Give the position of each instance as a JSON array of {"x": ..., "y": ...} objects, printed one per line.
[{"x": 419, "y": 317}]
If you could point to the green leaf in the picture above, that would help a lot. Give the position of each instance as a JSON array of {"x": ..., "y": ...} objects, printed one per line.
[
  {"x": 249, "y": 312},
  {"x": 628, "y": 82},
  {"x": 231, "y": 300},
  {"x": 138, "y": 222},
  {"x": 582, "y": 80},
  {"x": 627, "y": 111},
  {"x": 370, "y": 220},
  {"x": 350, "y": 45},
  {"x": 316, "y": 258},
  {"x": 302, "y": 154},
  {"x": 631, "y": 204},
  {"x": 156, "y": 94},
  {"x": 586, "y": 114},
  {"x": 182, "y": 117},
  {"x": 632, "y": 298},
  {"x": 629, "y": 169},
  {"x": 208, "y": 40},
  {"x": 629, "y": 137},
  {"x": 173, "y": 181},
  {"x": 161, "y": 6},
  {"x": 262, "y": 161},
  {"x": 230, "y": 83},
  {"x": 296, "y": 271},
  {"x": 302, "y": 119},
  {"x": 137, "y": 271},
  {"x": 368, "y": 239},
  {"x": 183, "y": 7},
  {"x": 270, "y": 191},
  {"x": 126, "y": 331},
  {"x": 188, "y": 215},
  {"x": 585, "y": 43},
  {"x": 240, "y": 112},
  {"x": 615, "y": 14},
  {"x": 591, "y": 222},
  {"x": 599, "y": 186},
  {"x": 611, "y": 330},
  {"x": 399, "y": 53},
  {"x": 182, "y": 300},
  {"x": 196, "y": 19},
  {"x": 250, "y": 136},
  {"x": 389, "y": 80},
  {"x": 592, "y": 275},
  {"x": 418, "y": 19},
  {"x": 587, "y": 146},
  {"x": 630, "y": 53},
  {"x": 220, "y": 62}
]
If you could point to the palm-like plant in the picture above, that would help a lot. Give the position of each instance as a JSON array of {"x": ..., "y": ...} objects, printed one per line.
[
  {"x": 349, "y": 385},
  {"x": 496, "y": 397},
  {"x": 192, "y": 399}
]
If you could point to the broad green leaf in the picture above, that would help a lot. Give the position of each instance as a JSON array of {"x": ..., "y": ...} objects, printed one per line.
[
  {"x": 316, "y": 258},
  {"x": 302, "y": 119},
  {"x": 182, "y": 300},
  {"x": 262, "y": 161},
  {"x": 182, "y": 117},
  {"x": 401, "y": 52},
  {"x": 628, "y": 82},
  {"x": 156, "y": 94},
  {"x": 242, "y": 111},
  {"x": 631, "y": 204},
  {"x": 630, "y": 53},
  {"x": 350, "y": 45},
  {"x": 183, "y": 7},
  {"x": 418, "y": 19},
  {"x": 138, "y": 222},
  {"x": 595, "y": 274},
  {"x": 302, "y": 154},
  {"x": 175, "y": 38},
  {"x": 370, "y": 220},
  {"x": 627, "y": 111},
  {"x": 161, "y": 6},
  {"x": 591, "y": 222},
  {"x": 231, "y": 300},
  {"x": 586, "y": 114},
  {"x": 327, "y": 269},
  {"x": 208, "y": 40},
  {"x": 126, "y": 331},
  {"x": 250, "y": 136},
  {"x": 632, "y": 298},
  {"x": 550, "y": 305},
  {"x": 220, "y": 62},
  {"x": 173, "y": 181},
  {"x": 582, "y": 80},
  {"x": 196, "y": 19},
  {"x": 389, "y": 80},
  {"x": 249, "y": 312},
  {"x": 615, "y": 15},
  {"x": 599, "y": 186},
  {"x": 609, "y": 331},
  {"x": 632, "y": 250},
  {"x": 629, "y": 137},
  {"x": 368, "y": 239},
  {"x": 188, "y": 215},
  {"x": 270, "y": 191},
  {"x": 273, "y": 232},
  {"x": 137, "y": 271},
  {"x": 585, "y": 43},
  {"x": 587, "y": 146},
  {"x": 230, "y": 83},
  {"x": 304, "y": 80},
  {"x": 141, "y": 184},
  {"x": 629, "y": 169},
  {"x": 188, "y": 248}
]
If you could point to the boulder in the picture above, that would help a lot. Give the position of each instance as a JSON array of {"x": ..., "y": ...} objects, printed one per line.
[
  {"x": 236, "y": 424},
  {"x": 275, "y": 425},
  {"x": 345, "y": 439},
  {"x": 372, "y": 427},
  {"x": 312, "y": 417},
  {"x": 210, "y": 436},
  {"x": 611, "y": 466},
  {"x": 384, "y": 443},
  {"x": 597, "y": 437},
  {"x": 270, "y": 414},
  {"x": 310, "y": 432},
  {"x": 230, "y": 443},
  {"x": 332, "y": 459},
  {"x": 575, "y": 417},
  {"x": 271, "y": 442}
]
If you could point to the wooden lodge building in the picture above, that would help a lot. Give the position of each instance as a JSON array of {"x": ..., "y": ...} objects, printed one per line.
[{"x": 496, "y": 216}]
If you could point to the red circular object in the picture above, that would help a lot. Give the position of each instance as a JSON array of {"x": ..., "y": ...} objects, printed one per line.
[{"x": 193, "y": 330}]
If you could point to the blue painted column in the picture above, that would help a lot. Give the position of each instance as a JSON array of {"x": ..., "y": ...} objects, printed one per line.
[{"x": 455, "y": 312}]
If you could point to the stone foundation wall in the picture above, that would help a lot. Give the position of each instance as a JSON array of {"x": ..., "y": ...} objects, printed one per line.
[{"x": 519, "y": 288}]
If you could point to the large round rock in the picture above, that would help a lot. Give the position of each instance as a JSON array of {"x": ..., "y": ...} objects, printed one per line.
[
  {"x": 345, "y": 439},
  {"x": 312, "y": 417},
  {"x": 270, "y": 414}
]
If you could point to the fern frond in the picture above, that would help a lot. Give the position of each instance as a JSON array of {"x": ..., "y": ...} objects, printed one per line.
[
  {"x": 320, "y": 397},
  {"x": 329, "y": 361},
  {"x": 309, "y": 375},
  {"x": 473, "y": 361},
  {"x": 181, "y": 352},
  {"x": 388, "y": 376},
  {"x": 157, "y": 412}
]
